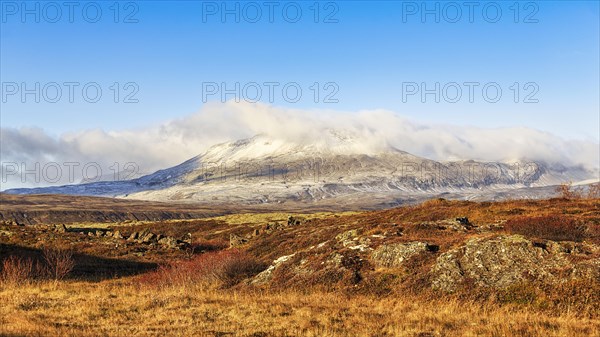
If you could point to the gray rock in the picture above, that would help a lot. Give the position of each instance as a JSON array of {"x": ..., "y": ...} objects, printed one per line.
[
  {"x": 266, "y": 275},
  {"x": 496, "y": 262},
  {"x": 396, "y": 254}
]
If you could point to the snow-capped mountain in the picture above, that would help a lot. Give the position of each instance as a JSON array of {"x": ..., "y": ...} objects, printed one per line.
[{"x": 338, "y": 168}]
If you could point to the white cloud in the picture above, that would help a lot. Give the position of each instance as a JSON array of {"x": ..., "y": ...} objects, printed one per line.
[{"x": 177, "y": 140}]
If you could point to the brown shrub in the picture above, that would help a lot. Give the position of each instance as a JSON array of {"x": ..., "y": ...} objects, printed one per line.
[
  {"x": 549, "y": 227},
  {"x": 59, "y": 262},
  {"x": 594, "y": 191},
  {"x": 224, "y": 268},
  {"x": 568, "y": 191},
  {"x": 17, "y": 270}
]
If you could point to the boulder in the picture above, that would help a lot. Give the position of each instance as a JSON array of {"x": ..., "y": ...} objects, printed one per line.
[
  {"x": 117, "y": 235},
  {"x": 396, "y": 254},
  {"x": 266, "y": 275},
  {"x": 169, "y": 242},
  {"x": 464, "y": 221},
  {"x": 147, "y": 238},
  {"x": 61, "y": 228},
  {"x": 133, "y": 236},
  {"x": 272, "y": 226},
  {"x": 496, "y": 262},
  {"x": 294, "y": 221},
  {"x": 236, "y": 240},
  {"x": 347, "y": 235}
]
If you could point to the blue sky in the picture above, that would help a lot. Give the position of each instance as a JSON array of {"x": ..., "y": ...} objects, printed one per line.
[{"x": 170, "y": 52}]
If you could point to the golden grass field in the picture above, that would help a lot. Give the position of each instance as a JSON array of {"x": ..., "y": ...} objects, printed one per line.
[{"x": 121, "y": 308}]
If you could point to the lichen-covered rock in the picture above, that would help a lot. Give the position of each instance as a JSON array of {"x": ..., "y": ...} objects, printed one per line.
[
  {"x": 294, "y": 220},
  {"x": 236, "y": 240},
  {"x": 496, "y": 262},
  {"x": 266, "y": 275},
  {"x": 117, "y": 235},
  {"x": 351, "y": 240},
  {"x": 394, "y": 255},
  {"x": 61, "y": 228},
  {"x": 589, "y": 269},
  {"x": 147, "y": 238},
  {"x": 273, "y": 226},
  {"x": 347, "y": 235},
  {"x": 169, "y": 242}
]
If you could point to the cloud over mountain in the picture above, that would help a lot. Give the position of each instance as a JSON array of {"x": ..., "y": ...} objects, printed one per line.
[{"x": 371, "y": 131}]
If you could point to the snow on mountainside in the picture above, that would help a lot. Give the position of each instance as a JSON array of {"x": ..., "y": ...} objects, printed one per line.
[{"x": 339, "y": 167}]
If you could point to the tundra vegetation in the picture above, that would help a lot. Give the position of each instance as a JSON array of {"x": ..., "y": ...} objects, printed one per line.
[{"x": 439, "y": 268}]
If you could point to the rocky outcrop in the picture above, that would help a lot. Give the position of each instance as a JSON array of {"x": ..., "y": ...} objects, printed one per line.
[
  {"x": 506, "y": 260},
  {"x": 266, "y": 275},
  {"x": 117, "y": 235},
  {"x": 60, "y": 228},
  {"x": 236, "y": 240},
  {"x": 168, "y": 242},
  {"x": 351, "y": 239},
  {"x": 147, "y": 238},
  {"x": 396, "y": 254},
  {"x": 294, "y": 220}
]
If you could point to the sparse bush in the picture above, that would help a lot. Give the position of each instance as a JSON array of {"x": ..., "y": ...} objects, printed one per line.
[
  {"x": 224, "y": 268},
  {"x": 17, "y": 270},
  {"x": 594, "y": 191},
  {"x": 552, "y": 227},
  {"x": 567, "y": 191},
  {"x": 59, "y": 262}
]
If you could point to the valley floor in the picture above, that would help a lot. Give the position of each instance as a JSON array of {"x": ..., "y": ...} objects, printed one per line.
[{"x": 122, "y": 308}]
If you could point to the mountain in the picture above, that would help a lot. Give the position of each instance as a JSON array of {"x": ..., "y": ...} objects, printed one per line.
[{"x": 338, "y": 169}]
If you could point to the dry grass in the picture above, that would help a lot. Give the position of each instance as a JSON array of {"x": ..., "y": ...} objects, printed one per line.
[
  {"x": 122, "y": 309},
  {"x": 547, "y": 227},
  {"x": 260, "y": 218}
]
